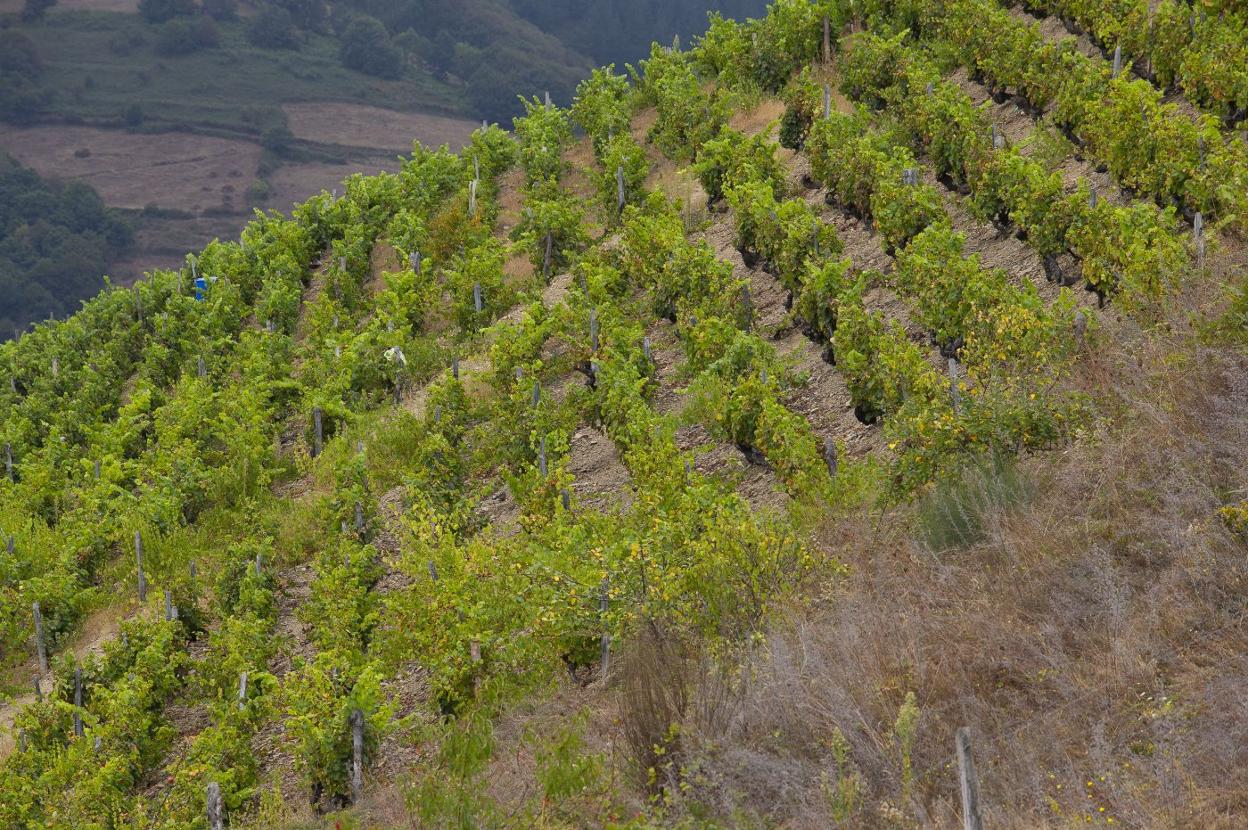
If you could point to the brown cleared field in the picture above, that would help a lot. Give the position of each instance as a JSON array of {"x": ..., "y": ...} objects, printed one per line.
[
  {"x": 295, "y": 183},
  {"x": 170, "y": 170},
  {"x": 356, "y": 125}
]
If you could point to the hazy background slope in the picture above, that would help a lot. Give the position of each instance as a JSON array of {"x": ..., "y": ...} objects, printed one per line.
[{"x": 185, "y": 115}]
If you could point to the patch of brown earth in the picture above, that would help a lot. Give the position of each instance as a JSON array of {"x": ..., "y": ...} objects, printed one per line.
[
  {"x": 500, "y": 512},
  {"x": 600, "y": 480},
  {"x": 294, "y": 588},
  {"x": 510, "y": 202},
  {"x": 643, "y": 122},
  {"x": 384, "y": 259},
  {"x": 823, "y": 399},
  {"x": 766, "y": 295},
  {"x": 764, "y": 117},
  {"x": 666, "y": 351},
  {"x": 756, "y": 483}
]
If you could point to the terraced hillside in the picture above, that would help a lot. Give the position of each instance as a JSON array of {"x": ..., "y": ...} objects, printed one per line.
[{"x": 705, "y": 454}]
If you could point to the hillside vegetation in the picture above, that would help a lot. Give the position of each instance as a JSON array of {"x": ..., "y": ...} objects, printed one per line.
[
  {"x": 703, "y": 454},
  {"x": 224, "y": 68},
  {"x": 54, "y": 240}
]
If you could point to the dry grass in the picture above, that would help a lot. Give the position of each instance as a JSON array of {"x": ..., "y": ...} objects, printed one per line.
[
  {"x": 359, "y": 125},
  {"x": 1093, "y": 639},
  {"x": 656, "y": 675},
  {"x": 131, "y": 170}
]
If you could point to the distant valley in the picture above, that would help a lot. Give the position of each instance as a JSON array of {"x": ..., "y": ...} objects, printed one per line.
[{"x": 187, "y": 116}]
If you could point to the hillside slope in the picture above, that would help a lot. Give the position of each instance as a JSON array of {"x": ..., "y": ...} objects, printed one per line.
[{"x": 709, "y": 470}]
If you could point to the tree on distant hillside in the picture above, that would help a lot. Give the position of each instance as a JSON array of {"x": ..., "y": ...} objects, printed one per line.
[
  {"x": 18, "y": 55},
  {"x": 184, "y": 37},
  {"x": 35, "y": 9},
  {"x": 414, "y": 47},
  {"x": 56, "y": 243},
  {"x": 277, "y": 139},
  {"x": 273, "y": 28},
  {"x": 309, "y": 15},
  {"x": 158, "y": 11},
  {"x": 21, "y": 96},
  {"x": 366, "y": 48},
  {"x": 132, "y": 116},
  {"x": 502, "y": 75},
  {"x": 220, "y": 10}
]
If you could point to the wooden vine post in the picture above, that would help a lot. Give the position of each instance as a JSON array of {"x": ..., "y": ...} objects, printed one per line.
[
  {"x": 550, "y": 254},
  {"x": 830, "y": 456},
  {"x": 41, "y": 646},
  {"x": 357, "y": 755},
  {"x": 318, "y": 433},
  {"x": 78, "y": 730},
  {"x": 474, "y": 654},
  {"x": 216, "y": 815},
  {"x": 604, "y": 599},
  {"x": 970, "y": 784},
  {"x": 138, "y": 558},
  {"x": 827, "y": 39},
  {"x": 955, "y": 390},
  {"x": 8, "y": 461},
  {"x": 1198, "y": 232}
]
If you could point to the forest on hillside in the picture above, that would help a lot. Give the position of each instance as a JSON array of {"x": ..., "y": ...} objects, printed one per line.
[
  {"x": 487, "y": 51},
  {"x": 56, "y": 243}
]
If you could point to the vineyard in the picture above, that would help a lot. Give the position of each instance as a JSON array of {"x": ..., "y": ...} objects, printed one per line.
[{"x": 702, "y": 455}]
